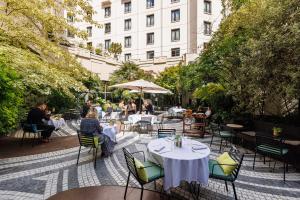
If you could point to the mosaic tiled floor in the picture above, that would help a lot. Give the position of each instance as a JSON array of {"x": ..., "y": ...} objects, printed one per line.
[{"x": 43, "y": 175}]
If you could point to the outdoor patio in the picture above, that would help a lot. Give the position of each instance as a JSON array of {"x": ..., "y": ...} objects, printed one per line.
[{"x": 43, "y": 175}]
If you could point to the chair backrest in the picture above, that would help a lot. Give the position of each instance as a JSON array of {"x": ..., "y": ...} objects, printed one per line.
[
  {"x": 86, "y": 140},
  {"x": 214, "y": 128},
  {"x": 275, "y": 143},
  {"x": 162, "y": 133},
  {"x": 131, "y": 163},
  {"x": 29, "y": 127},
  {"x": 238, "y": 157}
]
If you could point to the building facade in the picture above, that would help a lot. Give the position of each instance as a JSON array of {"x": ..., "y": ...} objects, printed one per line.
[{"x": 154, "y": 33}]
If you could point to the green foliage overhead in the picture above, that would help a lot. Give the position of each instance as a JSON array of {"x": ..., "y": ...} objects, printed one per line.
[
  {"x": 34, "y": 64},
  {"x": 170, "y": 79},
  {"x": 207, "y": 92},
  {"x": 254, "y": 55},
  {"x": 115, "y": 49},
  {"x": 11, "y": 98}
]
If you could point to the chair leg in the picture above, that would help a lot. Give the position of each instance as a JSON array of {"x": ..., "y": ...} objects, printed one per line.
[
  {"x": 78, "y": 155},
  {"x": 233, "y": 186},
  {"x": 33, "y": 139},
  {"x": 155, "y": 185},
  {"x": 212, "y": 137},
  {"x": 141, "y": 197},
  {"x": 96, "y": 157},
  {"x": 127, "y": 185},
  {"x": 226, "y": 186},
  {"x": 254, "y": 160},
  {"x": 24, "y": 132},
  {"x": 264, "y": 159},
  {"x": 220, "y": 145},
  {"x": 284, "y": 166}
]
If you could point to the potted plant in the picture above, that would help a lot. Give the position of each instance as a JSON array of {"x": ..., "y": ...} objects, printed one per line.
[{"x": 277, "y": 131}]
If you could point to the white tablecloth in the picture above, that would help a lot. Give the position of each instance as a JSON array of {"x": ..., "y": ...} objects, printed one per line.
[
  {"x": 137, "y": 117},
  {"x": 111, "y": 132},
  {"x": 174, "y": 110},
  {"x": 57, "y": 123},
  {"x": 181, "y": 163}
]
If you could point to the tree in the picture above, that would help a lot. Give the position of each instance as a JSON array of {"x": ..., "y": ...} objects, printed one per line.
[
  {"x": 128, "y": 72},
  {"x": 115, "y": 49},
  {"x": 11, "y": 98},
  {"x": 255, "y": 57},
  {"x": 31, "y": 38}
]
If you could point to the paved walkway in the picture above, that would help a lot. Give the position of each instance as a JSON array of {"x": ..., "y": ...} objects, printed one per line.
[{"x": 40, "y": 176}]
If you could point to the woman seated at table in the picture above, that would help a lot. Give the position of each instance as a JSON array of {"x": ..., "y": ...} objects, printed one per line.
[{"x": 90, "y": 125}]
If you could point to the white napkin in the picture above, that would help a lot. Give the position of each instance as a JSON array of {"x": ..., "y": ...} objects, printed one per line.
[
  {"x": 199, "y": 148},
  {"x": 158, "y": 149}
]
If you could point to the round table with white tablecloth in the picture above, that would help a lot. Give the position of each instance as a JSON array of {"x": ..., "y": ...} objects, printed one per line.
[
  {"x": 110, "y": 131},
  {"x": 57, "y": 123},
  {"x": 137, "y": 117},
  {"x": 188, "y": 163}
]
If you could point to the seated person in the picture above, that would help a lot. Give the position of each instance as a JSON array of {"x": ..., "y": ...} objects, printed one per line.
[
  {"x": 208, "y": 112},
  {"x": 85, "y": 108},
  {"x": 91, "y": 126},
  {"x": 36, "y": 116}
]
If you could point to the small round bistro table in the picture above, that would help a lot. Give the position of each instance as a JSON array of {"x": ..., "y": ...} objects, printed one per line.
[
  {"x": 188, "y": 163},
  {"x": 138, "y": 117}
]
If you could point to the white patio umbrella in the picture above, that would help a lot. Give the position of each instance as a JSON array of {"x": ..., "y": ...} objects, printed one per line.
[
  {"x": 153, "y": 91},
  {"x": 141, "y": 86}
]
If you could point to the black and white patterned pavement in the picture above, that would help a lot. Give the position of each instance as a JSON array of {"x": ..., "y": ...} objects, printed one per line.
[{"x": 43, "y": 175}]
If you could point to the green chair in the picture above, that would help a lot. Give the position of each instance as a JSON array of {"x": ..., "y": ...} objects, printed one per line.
[
  {"x": 216, "y": 172},
  {"x": 162, "y": 133},
  {"x": 88, "y": 141},
  {"x": 30, "y": 129},
  {"x": 144, "y": 172},
  {"x": 223, "y": 134},
  {"x": 273, "y": 148}
]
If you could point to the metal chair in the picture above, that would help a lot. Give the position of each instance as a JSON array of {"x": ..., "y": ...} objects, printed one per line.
[
  {"x": 30, "y": 129},
  {"x": 144, "y": 127},
  {"x": 162, "y": 133},
  {"x": 216, "y": 172},
  {"x": 153, "y": 171},
  {"x": 271, "y": 147},
  {"x": 88, "y": 141},
  {"x": 223, "y": 134}
]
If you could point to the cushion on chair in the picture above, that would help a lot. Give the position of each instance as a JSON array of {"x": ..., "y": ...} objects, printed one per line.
[
  {"x": 272, "y": 150},
  {"x": 225, "y": 134},
  {"x": 153, "y": 172},
  {"x": 141, "y": 170},
  {"x": 226, "y": 159},
  {"x": 148, "y": 171},
  {"x": 217, "y": 171}
]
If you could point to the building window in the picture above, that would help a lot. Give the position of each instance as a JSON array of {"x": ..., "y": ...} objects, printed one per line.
[
  {"x": 207, "y": 7},
  {"x": 107, "y": 44},
  {"x": 107, "y": 28},
  {"x": 127, "y": 56},
  {"x": 207, "y": 28},
  {"x": 127, "y": 24},
  {"x": 107, "y": 12},
  {"x": 127, "y": 7},
  {"x": 70, "y": 34},
  {"x": 150, "y": 20},
  {"x": 127, "y": 42},
  {"x": 175, "y": 52},
  {"x": 175, "y": 15},
  {"x": 70, "y": 17},
  {"x": 150, "y": 55},
  {"x": 150, "y": 38},
  {"x": 150, "y": 3},
  {"x": 89, "y": 31},
  {"x": 174, "y": 1},
  {"x": 175, "y": 35}
]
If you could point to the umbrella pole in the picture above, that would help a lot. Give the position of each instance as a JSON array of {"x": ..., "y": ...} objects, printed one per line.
[{"x": 141, "y": 100}]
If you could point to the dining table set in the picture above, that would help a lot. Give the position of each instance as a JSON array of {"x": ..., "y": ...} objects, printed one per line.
[{"x": 189, "y": 162}]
